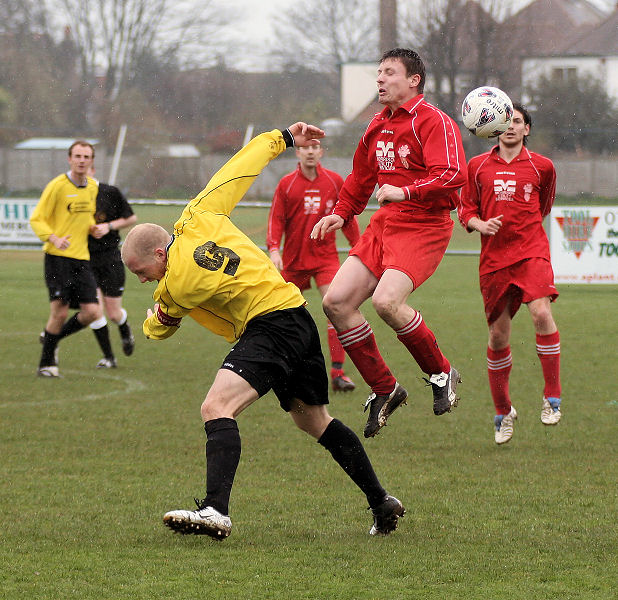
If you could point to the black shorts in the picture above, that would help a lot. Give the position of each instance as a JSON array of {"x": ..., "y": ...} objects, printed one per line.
[
  {"x": 281, "y": 351},
  {"x": 70, "y": 280},
  {"x": 108, "y": 272}
]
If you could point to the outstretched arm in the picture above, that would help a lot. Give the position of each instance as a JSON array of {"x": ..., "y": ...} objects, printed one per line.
[{"x": 305, "y": 134}]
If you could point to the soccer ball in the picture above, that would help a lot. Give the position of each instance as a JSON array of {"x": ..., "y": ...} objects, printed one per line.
[{"x": 487, "y": 112}]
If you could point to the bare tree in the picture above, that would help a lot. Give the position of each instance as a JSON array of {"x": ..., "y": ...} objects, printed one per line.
[
  {"x": 111, "y": 35},
  {"x": 17, "y": 16},
  {"x": 459, "y": 42},
  {"x": 320, "y": 36}
]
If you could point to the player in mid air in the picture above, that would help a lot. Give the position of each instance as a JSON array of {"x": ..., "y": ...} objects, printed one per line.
[
  {"x": 208, "y": 269},
  {"x": 509, "y": 191},
  {"x": 413, "y": 152},
  {"x": 301, "y": 199}
]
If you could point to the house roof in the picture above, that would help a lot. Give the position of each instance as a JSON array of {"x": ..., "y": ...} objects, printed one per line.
[
  {"x": 600, "y": 41},
  {"x": 547, "y": 25}
]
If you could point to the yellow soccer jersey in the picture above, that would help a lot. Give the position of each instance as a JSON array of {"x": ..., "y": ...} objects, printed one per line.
[
  {"x": 215, "y": 273},
  {"x": 66, "y": 209}
]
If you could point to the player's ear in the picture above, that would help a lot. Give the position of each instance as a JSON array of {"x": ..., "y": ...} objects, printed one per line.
[{"x": 415, "y": 80}]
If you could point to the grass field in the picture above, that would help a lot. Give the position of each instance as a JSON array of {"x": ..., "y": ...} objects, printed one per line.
[{"x": 90, "y": 462}]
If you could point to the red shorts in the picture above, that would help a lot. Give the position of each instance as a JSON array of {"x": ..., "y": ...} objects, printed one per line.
[
  {"x": 522, "y": 282},
  {"x": 413, "y": 243},
  {"x": 302, "y": 279}
]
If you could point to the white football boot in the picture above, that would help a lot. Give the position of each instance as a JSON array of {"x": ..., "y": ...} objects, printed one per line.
[
  {"x": 550, "y": 413},
  {"x": 205, "y": 521},
  {"x": 504, "y": 426}
]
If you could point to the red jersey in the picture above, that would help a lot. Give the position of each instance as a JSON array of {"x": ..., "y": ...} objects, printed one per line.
[
  {"x": 298, "y": 204},
  {"x": 417, "y": 148},
  {"x": 523, "y": 191}
]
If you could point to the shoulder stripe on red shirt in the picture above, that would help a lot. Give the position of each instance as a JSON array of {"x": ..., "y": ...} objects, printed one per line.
[{"x": 447, "y": 125}]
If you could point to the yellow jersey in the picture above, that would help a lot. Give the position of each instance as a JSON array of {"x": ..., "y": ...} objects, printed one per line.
[
  {"x": 214, "y": 272},
  {"x": 66, "y": 209}
]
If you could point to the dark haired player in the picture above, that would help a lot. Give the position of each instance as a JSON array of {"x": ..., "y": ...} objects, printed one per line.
[
  {"x": 113, "y": 213},
  {"x": 214, "y": 273},
  {"x": 509, "y": 191},
  {"x": 413, "y": 152}
]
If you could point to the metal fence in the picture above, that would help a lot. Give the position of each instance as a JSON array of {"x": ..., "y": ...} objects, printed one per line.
[{"x": 142, "y": 175}]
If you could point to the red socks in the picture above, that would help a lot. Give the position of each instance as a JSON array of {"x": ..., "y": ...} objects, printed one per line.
[
  {"x": 337, "y": 353},
  {"x": 360, "y": 345},
  {"x": 548, "y": 351},
  {"x": 422, "y": 345},
  {"x": 499, "y": 364}
]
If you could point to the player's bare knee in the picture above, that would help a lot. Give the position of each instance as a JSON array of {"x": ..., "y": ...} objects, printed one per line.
[
  {"x": 543, "y": 319},
  {"x": 498, "y": 339},
  {"x": 313, "y": 426},
  {"x": 208, "y": 410},
  {"x": 332, "y": 307},
  {"x": 90, "y": 313},
  {"x": 214, "y": 407},
  {"x": 384, "y": 306},
  {"x": 114, "y": 316}
]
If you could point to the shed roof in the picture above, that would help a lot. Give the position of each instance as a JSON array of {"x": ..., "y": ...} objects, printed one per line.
[{"x": 49, "y": 143}]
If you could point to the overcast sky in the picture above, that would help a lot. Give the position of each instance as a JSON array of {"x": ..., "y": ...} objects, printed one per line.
[{"x": 254, "y": 19}]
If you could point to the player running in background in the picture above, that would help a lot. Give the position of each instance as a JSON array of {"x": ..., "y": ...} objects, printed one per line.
[
  {"x": 113, "y": 213},
  {"x": 301, "y": 199},
  {"x": 62, "y": 220},
  {"x": 414, "y": 153},
  {"x": 509, "y": 191},
  {"x": 213, "y": 272}
]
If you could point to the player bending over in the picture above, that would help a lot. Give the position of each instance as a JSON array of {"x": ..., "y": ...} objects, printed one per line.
[{"x": 210, "y": 270}]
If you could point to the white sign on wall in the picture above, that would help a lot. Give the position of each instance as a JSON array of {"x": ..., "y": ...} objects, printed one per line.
[
  {"x": 15, "y": 227},
  {"x": 584, "y": 244}
]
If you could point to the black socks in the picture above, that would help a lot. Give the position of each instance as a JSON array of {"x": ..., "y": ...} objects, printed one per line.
[
  {"x": 222, "y": 458},
  {"x": 347, "y": 450},
  {"x": 71, "y": 326}
]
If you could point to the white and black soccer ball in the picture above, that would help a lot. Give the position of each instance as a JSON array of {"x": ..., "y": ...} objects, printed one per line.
[{"x": 487, "y": 112}]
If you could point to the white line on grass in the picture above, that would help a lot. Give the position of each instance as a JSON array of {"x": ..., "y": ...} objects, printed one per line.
[{"x": 129, "y": 386}]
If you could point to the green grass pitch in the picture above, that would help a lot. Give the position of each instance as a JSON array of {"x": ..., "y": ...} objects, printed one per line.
[{"x": 90, "y": 462}]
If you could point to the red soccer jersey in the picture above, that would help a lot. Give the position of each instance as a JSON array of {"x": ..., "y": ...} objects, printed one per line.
[
  {"x": 523, "y": 191},
  {"x": 417, "y": 148},
  {"x": 298, "y": 204}
]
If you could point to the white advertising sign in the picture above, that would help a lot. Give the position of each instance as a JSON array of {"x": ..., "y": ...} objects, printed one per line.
[
  {"x": 584, "y": 244},
  {"x": 15, "y": 227}
]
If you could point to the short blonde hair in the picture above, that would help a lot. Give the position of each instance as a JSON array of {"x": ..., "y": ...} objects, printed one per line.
[{"x": 143, "y": 240}]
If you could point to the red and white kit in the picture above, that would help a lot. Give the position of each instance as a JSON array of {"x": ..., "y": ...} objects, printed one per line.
[
  {"x": 523, "y": 191},
  {"x": 417, "y": 148},
  {"x": 298, "y": 204},
  {"x": 514, "y": 266}
]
